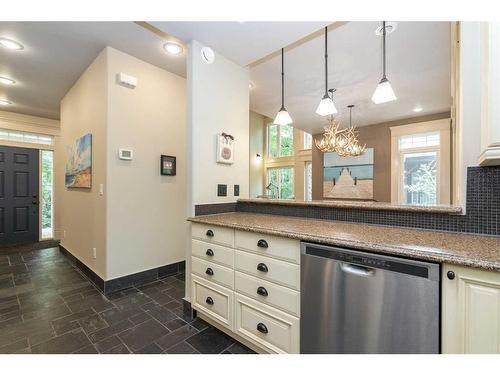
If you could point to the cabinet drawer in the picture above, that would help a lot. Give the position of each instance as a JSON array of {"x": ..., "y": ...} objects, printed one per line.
[
  {"x": 263, "y": 244},
  {"x": 283, "y": 273},
  {"x": 213, "y": 272},
  {"x": 213, "y": 253},
  {"x": 213, "y": 234},
  {"x": 265, "y": 326},
  {"x": 269, "y": 293},
  {"x": 213, "y": 300}
]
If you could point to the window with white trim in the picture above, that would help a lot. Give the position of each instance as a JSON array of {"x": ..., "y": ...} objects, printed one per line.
[
  {"x": 307, "y": 141},
  {"x": 280, "y": 183},
  {"x": 308, "y": 181},
  {"x": 279, "y": 141},
  {"x": 26, "y": 137}
]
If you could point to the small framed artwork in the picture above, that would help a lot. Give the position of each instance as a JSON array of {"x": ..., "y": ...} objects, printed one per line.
[
  {"x": 167, "y": 165},
  {"x": 225, "y": 148}
]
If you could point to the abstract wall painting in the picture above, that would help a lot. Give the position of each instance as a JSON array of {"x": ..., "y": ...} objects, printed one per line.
[{"x": 79, "y": 164}]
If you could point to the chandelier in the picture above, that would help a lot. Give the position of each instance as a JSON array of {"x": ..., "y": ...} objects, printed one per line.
[{"x": 344, "y": 142}]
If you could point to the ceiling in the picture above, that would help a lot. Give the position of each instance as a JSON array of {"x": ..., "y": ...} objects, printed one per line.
[
  {"x": 57, "y": 53},
  {"x": 418, "y": 67},
  {"x": 241, "y": 42}
]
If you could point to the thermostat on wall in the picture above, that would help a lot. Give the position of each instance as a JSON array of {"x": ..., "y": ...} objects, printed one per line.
[{"x": 125, "y": 154}]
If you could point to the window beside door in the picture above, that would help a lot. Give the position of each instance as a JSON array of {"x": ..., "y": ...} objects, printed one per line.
[
  {"x": 280, "y": 182},
  {"x": 47, "y": 195}
]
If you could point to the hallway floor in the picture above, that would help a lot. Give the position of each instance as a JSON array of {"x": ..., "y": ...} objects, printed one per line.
[{"x": 48, "y": 306}]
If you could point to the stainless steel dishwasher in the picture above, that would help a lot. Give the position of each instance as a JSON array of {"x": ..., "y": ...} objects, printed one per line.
[{"x": 358, "y": 302}]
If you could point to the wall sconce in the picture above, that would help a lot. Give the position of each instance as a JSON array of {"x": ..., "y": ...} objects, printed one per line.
[{"x": 257, "y": 155}]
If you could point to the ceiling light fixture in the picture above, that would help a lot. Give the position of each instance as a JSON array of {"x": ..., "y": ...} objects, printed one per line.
[
  {"x": 5, "y": 102},
  {"x": 418, "y": 109},
  {"x": 11, "y": 44},
  {"x": 7, "y": 81},
  {"x": 282, "y": 117},
  {"x": 173, "y": 48},
  {"x": 326, "y": 106},
  {"x": 384, "y": 92}
]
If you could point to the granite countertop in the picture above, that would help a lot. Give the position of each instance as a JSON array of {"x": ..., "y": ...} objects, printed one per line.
[
  {"x": 367, "y": 205},
  {"x": 442, "y": 247}
]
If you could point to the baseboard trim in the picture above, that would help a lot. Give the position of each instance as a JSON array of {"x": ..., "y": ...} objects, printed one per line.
[{"x": 124, "y": 282}]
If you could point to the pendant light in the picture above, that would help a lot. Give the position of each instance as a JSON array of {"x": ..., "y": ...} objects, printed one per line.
[
  {"x": 384, "y": 92},
  {"x": 282, "y": 117},
  {"x": 326, "y": 106}
]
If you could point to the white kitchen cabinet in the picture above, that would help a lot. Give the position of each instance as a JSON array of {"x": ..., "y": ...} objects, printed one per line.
[
  {"x": 470, "y": 310},
  {"x": 490, "y": 93}
]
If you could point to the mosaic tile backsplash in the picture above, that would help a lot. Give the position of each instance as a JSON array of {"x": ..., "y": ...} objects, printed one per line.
[{"x": 482, "y": 209}]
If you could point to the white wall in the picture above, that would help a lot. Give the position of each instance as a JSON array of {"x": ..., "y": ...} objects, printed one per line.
[
  {"x": 257, "y": 140},
  {"x": 81, "y": 213},
  {"x": 218, "y": 101},
  {"x": 146, "y": 212}
]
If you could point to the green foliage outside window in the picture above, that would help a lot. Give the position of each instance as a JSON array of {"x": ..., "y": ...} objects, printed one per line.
[
  {"x": 280, "y": 139},
  {"x": 47, "y": 179}
]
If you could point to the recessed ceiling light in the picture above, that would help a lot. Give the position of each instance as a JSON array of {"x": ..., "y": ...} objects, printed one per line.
[
  {"x": 418, "y": 109},
  {"x": 173, "y": 48},
  {"x": 7, "y": 81},
  {"x": 5, "y": 102},
  {"x": 11, "y": 44},
  {"x": 390, "y": 27}
]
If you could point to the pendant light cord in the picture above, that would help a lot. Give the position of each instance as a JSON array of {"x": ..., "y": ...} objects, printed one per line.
[
  {"x": 326, "y": 61},
  {"x": 282, "y": 79},
  {"x": 350, "y": 117},
  {"x": 383, "y": 49}
]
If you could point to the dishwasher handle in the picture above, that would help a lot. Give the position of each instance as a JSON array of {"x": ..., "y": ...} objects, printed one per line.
[{"x": 357, "y": 270}]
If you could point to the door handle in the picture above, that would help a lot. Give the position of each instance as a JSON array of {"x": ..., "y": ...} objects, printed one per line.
[
  {"x": 261, "y": 327},
  {"x": 262, "y": 291},
  {"x": 262, "y": 267},
  {"x": 357, "y": 270},
  {"x": 262, "y": 243}
]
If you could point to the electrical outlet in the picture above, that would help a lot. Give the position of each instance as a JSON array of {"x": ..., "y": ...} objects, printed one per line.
[
  {"x": 94, "y": 252},
  {"x": 64, "y": 233}
]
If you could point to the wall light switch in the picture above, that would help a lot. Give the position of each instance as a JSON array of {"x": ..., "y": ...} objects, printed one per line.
[
  {"x": 221, "y": 190},
  {"x": 236, "y": 190},
  {"x": 101, "y": 189}
]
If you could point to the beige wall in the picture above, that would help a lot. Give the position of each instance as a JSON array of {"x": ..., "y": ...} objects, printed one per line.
[
  {"x": 81, "y": 213},
  {"x": 138, "y": 223},
  {"x": 378, "y": 137},
  {"x": 146, "y": 212},
  {"x": 257, "y": 140}
]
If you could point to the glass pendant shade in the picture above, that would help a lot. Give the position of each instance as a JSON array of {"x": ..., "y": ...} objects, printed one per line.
[
  {"x": 282, "y": 118},
  {"x": 384, "y": 92},
  {"x": 326, "y": 107}
]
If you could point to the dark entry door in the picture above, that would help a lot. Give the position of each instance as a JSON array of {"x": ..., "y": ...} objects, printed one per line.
[{"x": 18, "y": 195}]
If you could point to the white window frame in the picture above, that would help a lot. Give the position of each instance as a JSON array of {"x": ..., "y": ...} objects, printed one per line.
[
  {"x": 443, "y": 157},
  {"x": 278, "y": 135},
  {"x": 268, "y": 170},
  {"x": 307, "y": 141},
  {"x": 307, "y": 191}
]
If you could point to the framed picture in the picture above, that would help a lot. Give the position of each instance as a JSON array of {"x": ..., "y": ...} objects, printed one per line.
[
  {"x": 168, "y": 165},
  {"x": 225, "y": 148},
  {"x": 78, "y": 172},
  {"x": 348, "y": 177}
]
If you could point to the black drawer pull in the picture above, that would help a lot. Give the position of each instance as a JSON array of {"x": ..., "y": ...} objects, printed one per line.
[
  {"x": 263, "y": 244},
  {"x": 450, "y": 275},
  {"x": 261, "y": 327},
  {"x": 210, "y": 233},
  {"x": 210, "y": 252},
  {"x": 209, "y": 301},
  {"x": 262, "y": 267},
  {"x": 262, "y": 291},
  {"x": 209, "y": 272}
]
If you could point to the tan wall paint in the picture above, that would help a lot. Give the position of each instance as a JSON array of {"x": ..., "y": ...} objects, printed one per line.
[
  {"x": 377, "y": 136},
  {"x": 81, "y": 213},
  {"x": 257, "y": 140},
  {"x": 146, "y": 212}
]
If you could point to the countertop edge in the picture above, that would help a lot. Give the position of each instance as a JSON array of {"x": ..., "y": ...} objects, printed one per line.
[
  {"x": 371, "y": 247},
  {"x": 444, "y": 210}
]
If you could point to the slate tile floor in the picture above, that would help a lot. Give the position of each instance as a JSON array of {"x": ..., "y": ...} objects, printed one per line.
[{"x": 48, "y": 306}]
